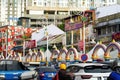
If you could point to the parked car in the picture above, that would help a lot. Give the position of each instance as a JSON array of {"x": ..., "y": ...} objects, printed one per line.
[
  {"x": 46, "y": 72},
  {"x": 89, "y": 71},
  {"x": 115, "y": 74},
  {"x": 15, "y": 70}
]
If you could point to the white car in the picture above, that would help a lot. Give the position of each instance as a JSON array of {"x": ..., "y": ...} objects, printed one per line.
[{"x": 90, "y": 71}]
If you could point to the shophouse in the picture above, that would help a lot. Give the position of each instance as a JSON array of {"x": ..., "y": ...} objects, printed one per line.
[
  {"x": 108, "y": 23},
  {"x": 79, "y": 30}
]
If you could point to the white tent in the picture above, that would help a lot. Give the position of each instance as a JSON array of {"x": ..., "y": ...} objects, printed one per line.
[{"x": 52, "y": 30}]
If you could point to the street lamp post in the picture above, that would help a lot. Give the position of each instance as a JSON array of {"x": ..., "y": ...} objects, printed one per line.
[{"x": 46, "y": 33}]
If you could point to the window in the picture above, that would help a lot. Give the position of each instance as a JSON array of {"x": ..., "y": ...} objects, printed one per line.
[
  {"x": 119, "y": 27},
  {"x": 109, "y": 29},
  {"x": 99, "y": 31},
  {"x": 114, "y": 28},
  {"x": 74, "y": 69}
]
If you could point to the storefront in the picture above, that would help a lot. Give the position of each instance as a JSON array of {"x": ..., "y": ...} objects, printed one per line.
[{"x": 74, "y": 30}]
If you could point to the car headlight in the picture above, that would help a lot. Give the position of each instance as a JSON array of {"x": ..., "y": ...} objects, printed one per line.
[
  {"x": 28, "y": 75},
  {"x": 2, "y": 76}
]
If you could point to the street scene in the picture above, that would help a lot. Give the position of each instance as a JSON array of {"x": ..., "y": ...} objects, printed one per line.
[{"x": 59, "y": 40}]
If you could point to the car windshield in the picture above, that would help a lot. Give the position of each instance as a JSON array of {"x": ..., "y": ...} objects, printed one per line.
[
  {"x": 47, "y": 69},
  {"x": 97, "y": 69}
]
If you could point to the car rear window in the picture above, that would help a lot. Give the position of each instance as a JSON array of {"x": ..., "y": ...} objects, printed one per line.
[
  {"x": 97, "y": 69},
  {"x": 47, "y": 70},
  {"x": 73, "y": 69},
  {"x": 11, "y": 65}
]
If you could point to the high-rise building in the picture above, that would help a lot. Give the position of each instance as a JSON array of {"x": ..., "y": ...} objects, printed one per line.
[{"x": 11, "y": 10}]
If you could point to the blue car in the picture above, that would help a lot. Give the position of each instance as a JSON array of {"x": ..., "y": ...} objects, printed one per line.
[
  {"x": 115, "y": 74},
  {"x": 46, "y": 72},
  {"x": 15, "y": 70}
]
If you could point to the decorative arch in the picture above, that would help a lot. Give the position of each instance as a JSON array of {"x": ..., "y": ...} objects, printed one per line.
[
  {"x": 75, "y": 54},
  {"x": 55, "y": 52},
  {"x": 109, "y": 47},
  {"x": 10, "y": 57},
  {"x": 63, "y": 50},
  {"x": 40, "y": 56},
  {"x": 1, "y": 57},
  {"x": 17, "y": 56},
  {"x": 34, "y": 57},
  {"x": 94, "y": 55},
  {"x": 28, "y": 58}
]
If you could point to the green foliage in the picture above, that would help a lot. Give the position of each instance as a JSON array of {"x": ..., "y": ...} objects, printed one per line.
[{"x": 62, "y": 26}]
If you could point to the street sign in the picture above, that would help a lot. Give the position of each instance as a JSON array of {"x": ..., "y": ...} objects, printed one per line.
[{"x": 84, "y": 57}]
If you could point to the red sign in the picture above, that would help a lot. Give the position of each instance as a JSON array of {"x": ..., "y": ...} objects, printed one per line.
[
  {"x": 30, "y": 44},
  {"x": 116, "y": 36}
]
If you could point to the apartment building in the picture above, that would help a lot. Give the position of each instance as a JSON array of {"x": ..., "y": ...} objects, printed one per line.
[{"x": 11, "y": 10}]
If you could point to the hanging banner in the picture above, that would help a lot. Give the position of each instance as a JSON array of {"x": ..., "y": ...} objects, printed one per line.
[{"x": 30, "y": 44}]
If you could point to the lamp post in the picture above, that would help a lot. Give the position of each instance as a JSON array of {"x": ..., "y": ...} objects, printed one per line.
[{"x": 46, "y": 34}]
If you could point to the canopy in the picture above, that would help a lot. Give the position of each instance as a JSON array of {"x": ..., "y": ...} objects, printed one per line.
[
  {"x": 107, "y": 10},
  {"x": 52, "y": 40},
  {"x": 51, "y": 30}
]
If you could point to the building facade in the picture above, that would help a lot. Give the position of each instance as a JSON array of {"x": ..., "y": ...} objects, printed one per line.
[
  {"x": 58, "y": 9},
  {"x": 108, "y": 24}
]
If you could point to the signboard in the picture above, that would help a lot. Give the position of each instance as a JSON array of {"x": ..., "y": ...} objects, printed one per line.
[
  {"x": 30, "y": 44},
  {"x": 78, "y": 20}
]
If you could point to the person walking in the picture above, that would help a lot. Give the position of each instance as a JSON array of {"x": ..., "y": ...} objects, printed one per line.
[{"x": 63, "y": 74}]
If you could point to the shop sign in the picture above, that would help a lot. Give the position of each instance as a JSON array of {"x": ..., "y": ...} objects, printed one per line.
[{"x": 73, "y": 26}]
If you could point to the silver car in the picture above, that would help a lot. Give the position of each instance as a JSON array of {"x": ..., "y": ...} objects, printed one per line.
[{"x": 90, "y": 71}]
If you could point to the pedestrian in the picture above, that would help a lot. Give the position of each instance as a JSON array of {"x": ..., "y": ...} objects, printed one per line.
[{"x": 63, "y": 74}]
